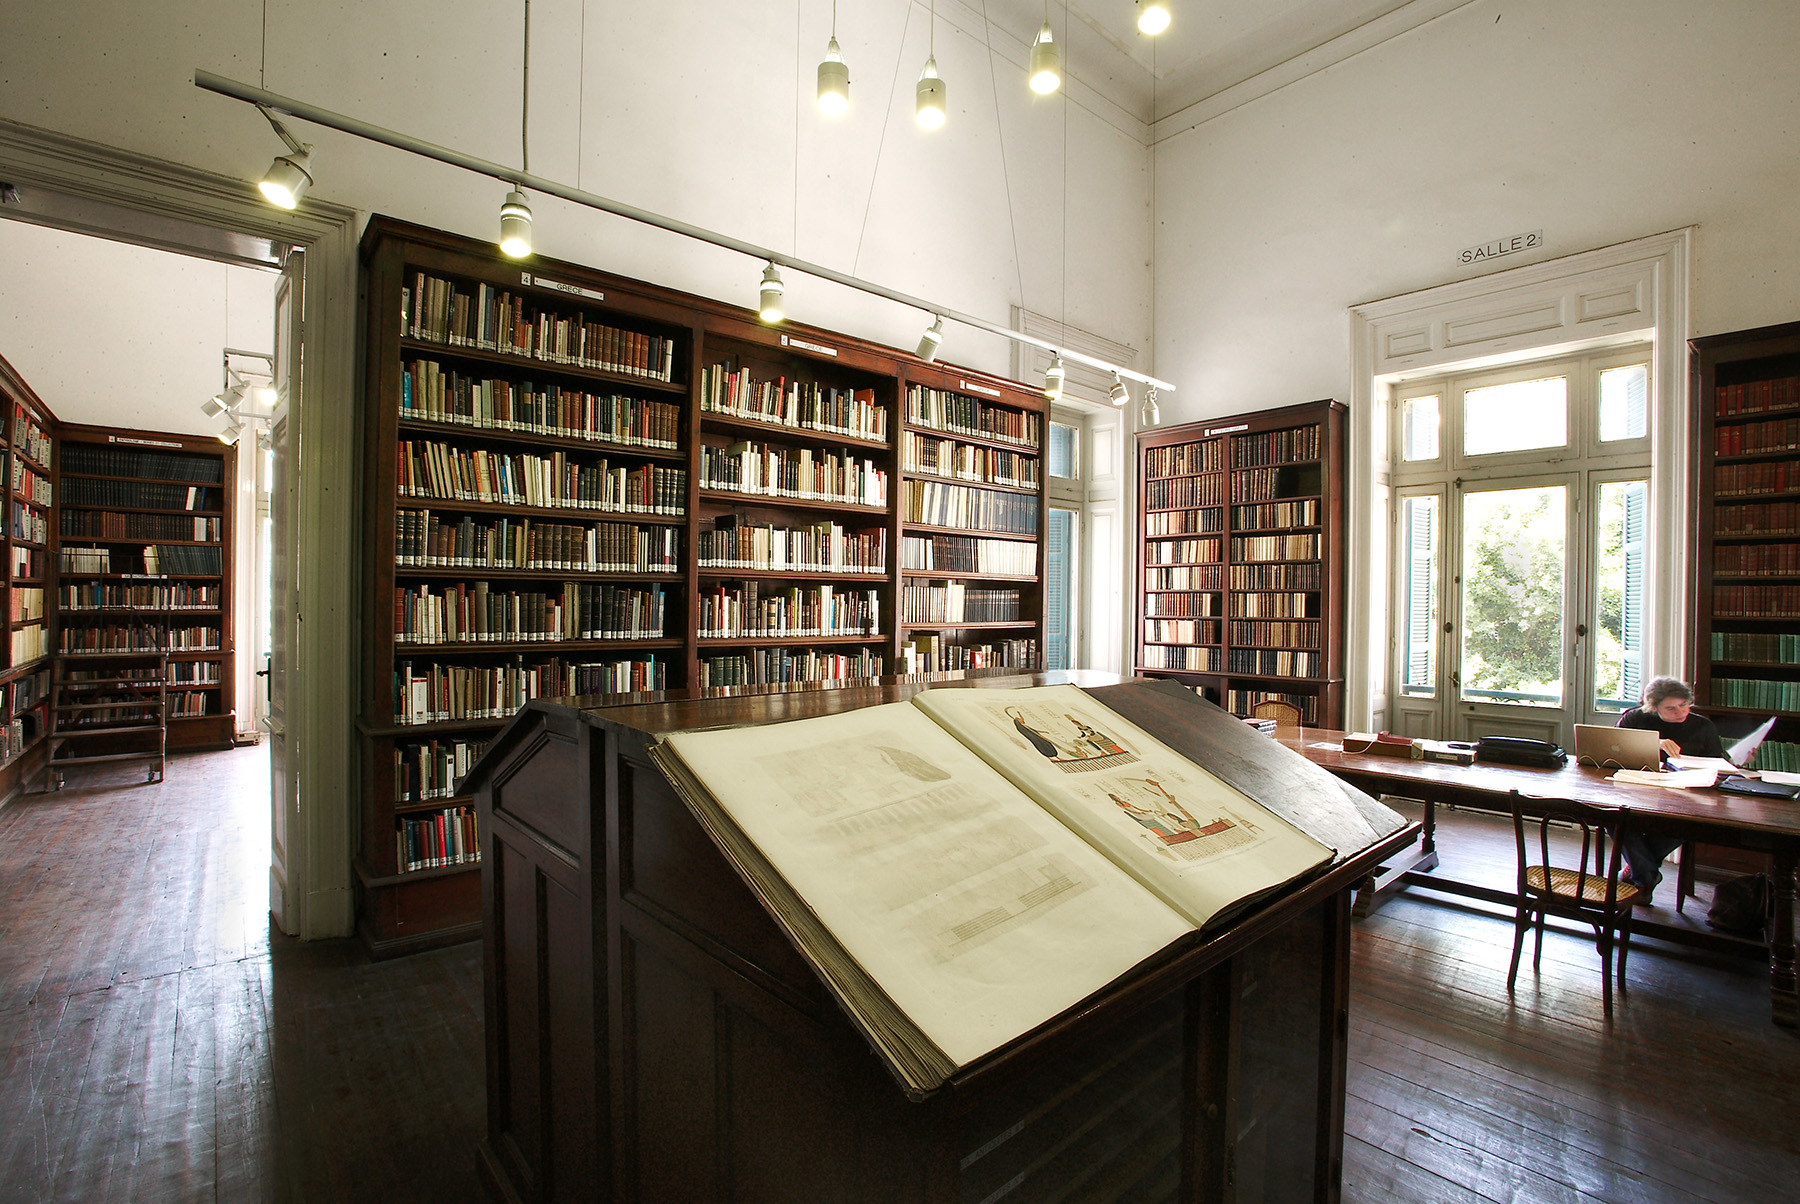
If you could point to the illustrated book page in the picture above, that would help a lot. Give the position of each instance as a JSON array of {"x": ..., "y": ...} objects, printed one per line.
[
  {"x": 1203, "y": 846},
  {"x": 932, "y": 894}
]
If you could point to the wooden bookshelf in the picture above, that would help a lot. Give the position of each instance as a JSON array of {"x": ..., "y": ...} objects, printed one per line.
[
  {"x": 1240, "y": 571},
  {"x": 25, "y": 676},
  {"x": 143, "y": 563},
  {"x": 745, "y": 534},
  {"x": 1746, "y": 581}
]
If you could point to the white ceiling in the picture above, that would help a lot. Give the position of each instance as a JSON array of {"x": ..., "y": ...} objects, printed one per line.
[{"x": 118, "y": 335}]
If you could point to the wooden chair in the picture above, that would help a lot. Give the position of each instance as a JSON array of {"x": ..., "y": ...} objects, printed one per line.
[
  {"x": 1590, "y": 892},
  {"x": 1285, "y": 714}
]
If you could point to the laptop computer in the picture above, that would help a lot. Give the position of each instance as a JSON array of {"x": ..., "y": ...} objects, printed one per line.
[{"x": 1617, "y": 747}]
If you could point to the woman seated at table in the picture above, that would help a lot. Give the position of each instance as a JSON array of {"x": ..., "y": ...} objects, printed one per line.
[{"x": 1667, "y": 711}]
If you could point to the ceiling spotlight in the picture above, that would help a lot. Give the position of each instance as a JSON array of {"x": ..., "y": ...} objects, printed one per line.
[
  {"x": 932, "y": 339},
  {"x": 769, "y": 308},
  {"x": 1153, "y": 16},
  {"x": 1119, "y": 395},
  {"x": 1149, "y": 413},
  {"x": 1053, "y": 377},
  {"x": 267, "y": 394},
  {"x": 213, "y": 406},
  {"x": 230, "y": 434},
  {"x": 1046, "y": 60},
  {"x": 834, "y": 75},
  {"x": 515, "y": 226},
  {"x": 288, "y": 178},
  {"x": 929, "y": 108}
]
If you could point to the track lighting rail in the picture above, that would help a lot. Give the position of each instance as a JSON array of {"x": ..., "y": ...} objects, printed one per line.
[{"x": 522, "y": 180}]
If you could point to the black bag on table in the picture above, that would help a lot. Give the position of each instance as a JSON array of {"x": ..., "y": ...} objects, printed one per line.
[{"x": 1517, "y": 750}]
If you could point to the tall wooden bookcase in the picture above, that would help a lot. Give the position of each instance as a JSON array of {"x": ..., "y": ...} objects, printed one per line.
[
  {"x": 143, "y": 564},
  {"x": 1240, "y": 566},
  {"x": 580, "y": 484},
  {"x": 1746, "y": 582},
  {"x": 25, "y": 678}
]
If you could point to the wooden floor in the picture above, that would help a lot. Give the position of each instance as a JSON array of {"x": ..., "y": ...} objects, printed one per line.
[{"x": 159, "y": 1045}]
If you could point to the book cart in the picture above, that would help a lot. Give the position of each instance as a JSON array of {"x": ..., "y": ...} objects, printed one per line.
[
  {"x": 108, "y": 708},
  {"x": 1241, "y": 559},
  {"x": 579, "y": 484},
  {"x": 653, "y": 1035}
]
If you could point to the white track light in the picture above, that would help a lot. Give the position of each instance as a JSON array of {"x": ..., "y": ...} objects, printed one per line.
[
  {"x": 1053, "y": 377},
  {"x": 931, "y": 340},
  {"x": 834, "y": 80},
  {"x": 769, "y": 307},
  {"x": 929, "y": 108},
  {"x": 288, "y": 178},
  {"x": 515, "y": 225},
  {"x": 1119, "y": 395},
  {"x": 1153, "y": 16},
  {"x": 1149, "y": 413},
  {"x": 1046, "y": 62}
]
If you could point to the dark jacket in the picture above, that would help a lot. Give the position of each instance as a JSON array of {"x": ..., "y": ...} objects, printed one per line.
[{"x": 1696, "y": 734}]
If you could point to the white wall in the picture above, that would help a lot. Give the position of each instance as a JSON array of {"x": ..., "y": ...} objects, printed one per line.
[
  {"x": 698, "y": 109},
  {"x": 1596, "y": 122}
]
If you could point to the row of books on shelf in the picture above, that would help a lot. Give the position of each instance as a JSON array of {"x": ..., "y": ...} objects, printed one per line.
[
  {"x": 1272, "y": 605},
  {"x": 141, "y": 637},
  {"x": 424, "y": 540},
  {"x": 153, "y": 560},
  {"x": 1783, "y": 756},
  {"x": 1184, "y": 551},
  {"x": 1277, "y": 447},
  {"x": 429, "y": 393},
  {"x": 27, "y": 563},
  {"x": 1273, "y": 633},
  {"x": 1189, "y": 659},
  {"x": 436, "y": 839},
  {"x": 1242, "y": 702},
  {"x": 25, "y": 603},
  {"x": 1756, "y": 693},
  {"x": 1757, "y": 518},
  {"x": 175, "y": 595},
  {"x": 30, "y": 644},
  {"x": 970, "y": 461},
  {"x": 1272, "y": 662},
  {"x": 111, "y": 460},
  {"x": 1760, "y": 560},
  {"x": 799, "y": 405},
  {"x": 29, "y": 438},
  {"x": 961, "y": 414},
  {"x": 1252, "y": 638},
  {"x": 558, "y": 481},
  {"x": 940, "y": 504},
  {"x": 190, "y": 704},
  {"x": 1756, "y": 396},
  {"x": 1183, "y": 631},
  {"x": 481, "y": 317},
  {"x": 767, "y": 470},
  {"x": 955, "y": 602},
  {"x": 1184, "y": 459},
  {"x": 24, "y": 693},
  {"x": 1750, "y": 480},
  {"x": 930, "y": 652},
  {"x": 1206, "y": 520},
  {"x": 1185, "y": 577},
  {"x": 433, "y": 769},
  {"x": 102, "y": 713},
  {"x": 475, "y": 612},
  {"x": 754, "y": 610},
  {"x": 1276, "y": 547},
  {"x": 1273, "y": 484},
  {"x": 1277, "y": 576},
  {"x": 1176, "y": 493},
  {"x": 1262, "y": 516},
  {"x": 1757, "y": 438},
  {"x": 16, "y": 734},
  {"x": 1756, "y": 601},
  {"x": 434, "y": 692},
  {"x": 789, "y": 666},
  {"x": 34, "y": 486},
  {"x": 29, "y": 523},
  {"x": 819, "y": 548},
  {"x": 1756, "y": 646},
  {"x": 1182, "y": 605},
  {"x": 968, "y": 554},
  {"x": 127, "y": 524},
  {"x": 139, "y": 495}
]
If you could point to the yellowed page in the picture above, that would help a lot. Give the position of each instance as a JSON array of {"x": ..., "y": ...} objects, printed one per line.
[
  {"x": 1199, "y": 843},
  {"x": 976, "y": 912}
]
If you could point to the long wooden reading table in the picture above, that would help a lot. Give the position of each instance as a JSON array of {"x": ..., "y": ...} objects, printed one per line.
[{"x": 1761, "y": 824}]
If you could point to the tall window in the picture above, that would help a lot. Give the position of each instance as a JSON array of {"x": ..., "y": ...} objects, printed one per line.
[{"x": 1522, "y": 496}]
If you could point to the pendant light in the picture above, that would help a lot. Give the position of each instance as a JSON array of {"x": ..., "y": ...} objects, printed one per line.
[
  {"x": 1046, "y": 60},
  {"x": 1053, "y": 378},
  {"x": 1119, "y": 395},
  {"x": 769, "y": 307},
  {"x": 1153, "y": 16},
  {"x": 515, "y": 214},
  {"x": 929, "y": 107},
  {"x": 834, "y": 75},
  {"x": 932, "y": 339}
]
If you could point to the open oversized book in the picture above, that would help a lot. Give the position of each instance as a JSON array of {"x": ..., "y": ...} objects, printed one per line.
[{"x": 967, "y": 865}]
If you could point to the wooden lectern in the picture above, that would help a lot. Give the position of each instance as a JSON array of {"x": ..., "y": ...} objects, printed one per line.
[{"x": 653, "y": 1037}]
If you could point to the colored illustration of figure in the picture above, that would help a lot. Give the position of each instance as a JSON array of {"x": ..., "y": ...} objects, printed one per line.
[
  {"x": 1037, "y": 739},
  {"x": 1100, "y": 744},
  {"x": 1148, "y": 819}
]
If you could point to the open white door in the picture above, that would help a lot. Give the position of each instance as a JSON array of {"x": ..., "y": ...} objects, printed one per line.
[{"x": 285, "y": 904}]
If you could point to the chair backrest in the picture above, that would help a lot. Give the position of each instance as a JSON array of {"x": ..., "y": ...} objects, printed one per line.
[
  {"x": 1285, "y": 714},
  {"x": 1598, "y": 861}
]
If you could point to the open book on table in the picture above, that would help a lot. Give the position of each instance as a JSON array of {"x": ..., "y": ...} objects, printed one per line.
[{"x": 967, "y": 865}]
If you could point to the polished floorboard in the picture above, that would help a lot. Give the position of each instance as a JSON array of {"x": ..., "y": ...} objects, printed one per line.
[{"x": 157, "y": 1043}]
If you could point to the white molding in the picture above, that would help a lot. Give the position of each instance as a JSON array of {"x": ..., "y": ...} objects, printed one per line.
[
  {"x": 131, "y": 197},
  {"x": 1624, "y": 292}
]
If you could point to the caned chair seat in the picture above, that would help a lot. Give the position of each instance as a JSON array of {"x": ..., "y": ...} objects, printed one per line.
[
  {"x": 1569, "y": 884},
  {"x": 1285, "y": 714}
]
